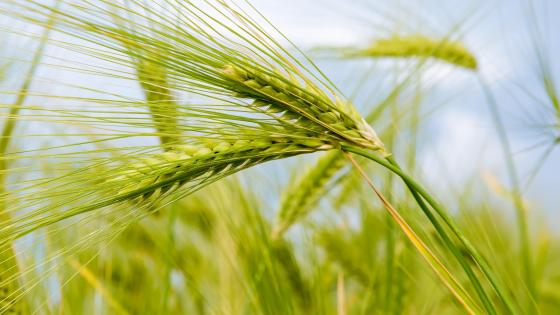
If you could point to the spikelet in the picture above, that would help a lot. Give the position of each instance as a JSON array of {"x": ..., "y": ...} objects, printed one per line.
[
  {"x": 307, "y": 107},
  {"x": 298, "y": 201},
  {"x": 154, "y": 176},
  {"x": 420, "y": 46}
]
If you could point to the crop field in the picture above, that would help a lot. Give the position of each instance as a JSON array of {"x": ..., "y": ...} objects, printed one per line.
[{"x": 240, "y": 157}]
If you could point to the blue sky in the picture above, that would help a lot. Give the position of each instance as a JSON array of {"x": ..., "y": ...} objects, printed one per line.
[{"x": 460, "y": 137}]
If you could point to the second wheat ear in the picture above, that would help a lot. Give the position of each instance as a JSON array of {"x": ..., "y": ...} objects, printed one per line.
[{"x": 419, "y": 46}]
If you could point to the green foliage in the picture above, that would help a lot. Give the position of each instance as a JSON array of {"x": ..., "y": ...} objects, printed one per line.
[{"x": 151, "y": 194}]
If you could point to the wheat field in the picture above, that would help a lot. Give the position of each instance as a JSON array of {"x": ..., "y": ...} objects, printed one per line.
[{"x": 279, "y": 157}]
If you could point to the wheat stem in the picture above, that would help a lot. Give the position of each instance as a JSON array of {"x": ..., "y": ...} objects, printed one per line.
[
  {"x": 439, "y": 268},
  {"x": 391, "y": 165},
  {"x": 9, "y": 269}
]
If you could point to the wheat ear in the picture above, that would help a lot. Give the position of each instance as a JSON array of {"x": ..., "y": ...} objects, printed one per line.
[
  {"x": 422, "y": 46},
  {"x": 306, "y": 107},
  {"x": 297, "y": 203},
  {"x": 301, "y": 197}
]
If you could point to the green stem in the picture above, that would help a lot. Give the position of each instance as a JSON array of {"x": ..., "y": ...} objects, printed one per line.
[
  {"x": 9, "y": 269},
  {"x": 168, "y": 268},
  {"x": 451, "y": 246},
  {"x": 12, "y": 117},
  {"x": 390, "y": 246},
  {"x": 390, "y": 262},
  {"x": 455, "y": 251},
  {"x": 391, "y": 165},
  {"x": 521, "y": 211},
  {"x": 416, "y": 106}
]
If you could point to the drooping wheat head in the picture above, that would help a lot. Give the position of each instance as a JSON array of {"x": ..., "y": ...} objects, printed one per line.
[{"x": 242, "y": 84}]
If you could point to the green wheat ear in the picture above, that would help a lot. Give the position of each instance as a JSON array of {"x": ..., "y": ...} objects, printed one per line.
[
  {"x": 153, "y": 176},
  {"x": 158, "y": 92},
  {"x": 159, "y": 96},
  {"x": 419, "y": 46},
  {"x": 307, "y": 107},
  {"x": 308, "y": 189},
  {"x": 147, "y": 178}
]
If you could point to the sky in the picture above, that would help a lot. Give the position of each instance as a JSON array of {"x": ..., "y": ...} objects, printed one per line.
[{"x": 460, "y": 138}]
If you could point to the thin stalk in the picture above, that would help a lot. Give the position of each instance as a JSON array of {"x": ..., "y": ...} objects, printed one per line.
[
  {"x": 8, "y": 263},
  {"x": 517, "y": 198},
  {"x": 95, "y": 283},
  {"x": 438, "y": 267},
  {"x": 445, "y": 238},
  {"x": 340, "y": 295},
  {"x": 164, "y": 111},
  {"x": 416, "y": 106},
  {"x": 392, "y": 165},
  {"x": 170, "y": 244},
  {"x": 390, "y": 248},
  {"x": 12, "y": 117},
  {"x": 450, "y": 244},
  {"x": 455, "y": 251},
  {"x": 390, "y": 262}
]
